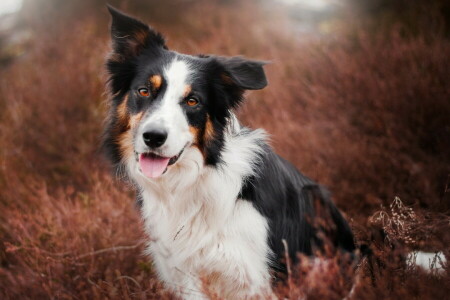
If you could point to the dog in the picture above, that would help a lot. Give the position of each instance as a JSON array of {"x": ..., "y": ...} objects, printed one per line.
[{"x": 217, "y": 202}]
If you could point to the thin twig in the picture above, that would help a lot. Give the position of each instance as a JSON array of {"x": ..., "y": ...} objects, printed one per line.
[
  {"x": 112, "y": 249},
  {"x": 288, "y": 265},
  {"x": 10, "y": 248}
]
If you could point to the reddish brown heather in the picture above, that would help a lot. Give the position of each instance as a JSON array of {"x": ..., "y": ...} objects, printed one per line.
[{"x": 364, "y": 112}]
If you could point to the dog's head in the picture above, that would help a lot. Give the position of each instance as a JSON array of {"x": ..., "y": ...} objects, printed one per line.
[{"x": 167, "y": 104}]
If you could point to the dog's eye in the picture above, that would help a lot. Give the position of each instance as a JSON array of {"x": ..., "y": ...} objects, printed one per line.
[
  {"x": 144, "y": 92},
  {"x": 192, "y": 101}
]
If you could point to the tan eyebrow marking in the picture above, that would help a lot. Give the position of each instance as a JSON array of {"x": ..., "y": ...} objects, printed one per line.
[
  {"x": 187, "y": 90},
  {"x": 156, "y": 81}
]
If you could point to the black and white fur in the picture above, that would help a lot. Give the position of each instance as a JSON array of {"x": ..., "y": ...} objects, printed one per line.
[{"x": 226, "y": 201}]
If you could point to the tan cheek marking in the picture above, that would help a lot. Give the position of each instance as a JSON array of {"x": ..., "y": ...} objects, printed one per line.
[
  {"x": 209, "y": 130},
  {"x": 195, "y": 133},
  {"x": 126, "y": 138},
  {"x": 125, "y": 124},
  {"x": 187, "y": 90},
  {"x": 156, "y": 81},
  {"x": 125, "y": 141},
  {"x": 122, "y": 109},
  {"x": 201, "y": 138}
]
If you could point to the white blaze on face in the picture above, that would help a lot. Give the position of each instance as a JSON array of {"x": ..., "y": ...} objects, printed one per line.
[{"x": 169, "y": 114}]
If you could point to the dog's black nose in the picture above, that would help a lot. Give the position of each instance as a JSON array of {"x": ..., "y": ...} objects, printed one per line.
[{"x": 154, "y": 138}]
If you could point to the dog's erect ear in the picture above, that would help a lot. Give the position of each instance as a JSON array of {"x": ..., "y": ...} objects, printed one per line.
[
  {"x": 130, "y": 36},
  {"x": 246, "y": 74}
]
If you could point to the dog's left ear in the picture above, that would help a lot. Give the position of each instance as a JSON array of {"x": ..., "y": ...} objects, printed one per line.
[
  {"x": 130, "y": 36},
  {"x": 245, "y": 74}
]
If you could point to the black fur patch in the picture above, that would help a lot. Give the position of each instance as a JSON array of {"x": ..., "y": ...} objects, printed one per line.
[{"x": 289, "y": 201}]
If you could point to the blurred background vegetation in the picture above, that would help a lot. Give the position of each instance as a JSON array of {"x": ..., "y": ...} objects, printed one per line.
[{"x": 358, "y": 99}]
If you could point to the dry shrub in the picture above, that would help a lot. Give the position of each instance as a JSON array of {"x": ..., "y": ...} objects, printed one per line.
[
  {"x": 319, "y": 278},
  {"x": 388, "y": 272},
  {"x": 365, "y": 114},
  {"x": 51, "y": 108},
  {"x": 400, "y": 222},
  {"x": 75, "y": 245}
]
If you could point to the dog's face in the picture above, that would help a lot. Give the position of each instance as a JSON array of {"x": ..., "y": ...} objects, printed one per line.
[{"x": 166, "y": 104}]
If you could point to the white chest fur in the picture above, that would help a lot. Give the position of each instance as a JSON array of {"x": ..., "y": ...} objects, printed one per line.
[{"x": 198, "y": 228}]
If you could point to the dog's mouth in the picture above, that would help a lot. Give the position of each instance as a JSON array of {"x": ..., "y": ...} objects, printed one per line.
[{"x": 153, "y": 165}]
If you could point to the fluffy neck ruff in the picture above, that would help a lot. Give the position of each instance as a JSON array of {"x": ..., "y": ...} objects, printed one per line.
[{"x": 194, "y": 208}]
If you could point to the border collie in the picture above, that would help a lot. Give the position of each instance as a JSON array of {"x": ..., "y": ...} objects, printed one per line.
[{"x": 217, "y": 202}]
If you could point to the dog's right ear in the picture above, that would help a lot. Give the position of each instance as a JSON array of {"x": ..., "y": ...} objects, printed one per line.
[{"x": 130, "y": 36}]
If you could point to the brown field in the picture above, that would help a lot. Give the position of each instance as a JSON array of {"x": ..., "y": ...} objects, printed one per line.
[{"x": 363, "y": 109}]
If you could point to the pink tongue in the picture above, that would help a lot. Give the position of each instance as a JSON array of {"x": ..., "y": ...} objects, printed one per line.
[{"x": 151, "y": 166}]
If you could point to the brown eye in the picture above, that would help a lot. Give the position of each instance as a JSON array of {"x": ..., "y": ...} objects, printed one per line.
[
  {"x": 144, "y": 92},
  {"x": 191, "y": 101}
]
